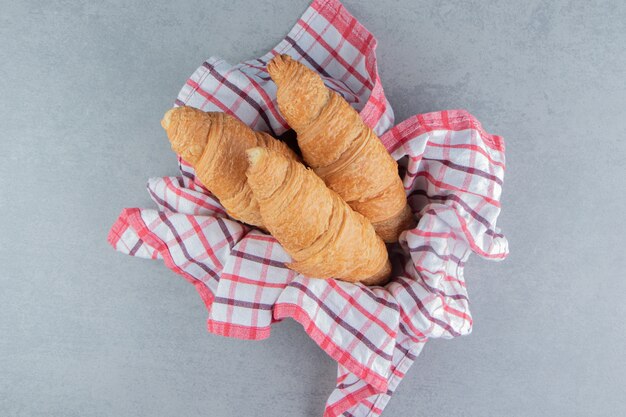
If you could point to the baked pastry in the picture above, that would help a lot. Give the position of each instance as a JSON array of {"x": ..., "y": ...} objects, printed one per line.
[
  {"x": 340, "y": 148},
  {"x": 215, "y": 145},
  {"x": 323, "y": 235}
]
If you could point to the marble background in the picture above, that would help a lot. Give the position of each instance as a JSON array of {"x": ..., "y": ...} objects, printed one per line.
[{"x": 86, "y": 331}]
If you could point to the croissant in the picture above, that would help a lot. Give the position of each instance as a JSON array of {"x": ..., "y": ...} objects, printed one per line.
[
  {"x": 215, "y": 144},
  {"x": 340, "y": 148},
  {"x": 323, "y": 235}
]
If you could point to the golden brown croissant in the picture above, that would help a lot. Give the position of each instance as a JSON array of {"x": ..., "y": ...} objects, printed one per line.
[
  {"x": 323, "y": 235},
  {"x": 215, "y": 145},
  {"x": 340, "y": 148}
]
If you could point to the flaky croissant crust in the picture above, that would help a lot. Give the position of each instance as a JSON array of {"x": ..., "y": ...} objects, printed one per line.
[
  {"x": 342, "y": 150},
  {"x": 215, "y": 144},
  {"x": 323, "y": 235}
]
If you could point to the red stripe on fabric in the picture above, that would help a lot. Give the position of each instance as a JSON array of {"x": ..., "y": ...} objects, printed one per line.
[
  {"x": 243, "y": 95},
  {"x": 162, "y": 202},
  {"x": 282, "y": 310},
  {"x": 407, "y": 321},
  {"x": 339, "y": 320},
  {"x": 444, "y": 119},
  {"x": 472, "y": 243},
  {"x": 230, "y": 306},
  {"x": 262, "y": 237},
  {"x": 191, "y": 91},
  {"x": 237, "y": 331},
  {"x": 450, "y": 278},
  {"x": 422, "y": 307},
  {"x": 447, "y": 186},
  {"x": 118, "y": 228},
  {"x": 348, "y": 401},
  {"x": 180, "y": 244},
  {"x": 423, "y": 123},
  {"x": 133, "y": 217},
  {"x": 458, "y": 313},
  {"x": 269, "y": 104},
  {"x": 371, "y": 405},
  {"x": 259, "y": 289},
  {"x": 472, "y": 148},
  {"x": 333, "y": 11},
  {"x": 238, "y": 278},
  {"x": 342, "y": 378},
  {"x": 187, "y": 196},
  {"x": 445, "y": 277},
  {"x": 472, "y": 211},
  {"x": 377, "y": 410},
  {"x": 333, "y": 284},
  {"x": 433, "y": 234},
  {"x": 205, "y": 243},
  {"x": 210, "y": 97},
  {"x": 359, "y": 37},
  {"x": 379, "y": 104},
  {"x": 334, "y": 53}
]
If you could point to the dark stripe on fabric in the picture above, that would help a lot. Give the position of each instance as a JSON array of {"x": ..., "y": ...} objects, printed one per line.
[
  {"x": 246, "y": 304},
  {"x": 440, "y": 292},
  {"x": 259, "y": 259},
  {"x": 307, "y": 57},
  {"x": 425, "y": 248},
  {"x": 463, "y": 204},
  {"x": 405, "y": 351},
  {"x": 469, "y": 170},
  {"x": 135, "y": 248},
  {"x": 225, "y": 231},
  {"x": 360, "y": 336},
  {"x": 183, "y": 248},
  {"x": 381, "y": 300},
  {"x": 161, "y": 201},
  {"x": 425, "y": 311},
  {"x": 240, "y": 93}
]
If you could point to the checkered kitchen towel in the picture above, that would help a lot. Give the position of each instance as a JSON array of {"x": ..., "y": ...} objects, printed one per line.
[{"x": 453, "y": 173}]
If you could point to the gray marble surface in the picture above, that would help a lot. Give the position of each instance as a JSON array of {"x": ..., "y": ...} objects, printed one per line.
[{"x": 86, "y": 331}]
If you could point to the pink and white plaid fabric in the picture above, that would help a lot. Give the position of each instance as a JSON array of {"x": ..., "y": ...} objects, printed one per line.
[{"x": 452, "y": 170}]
